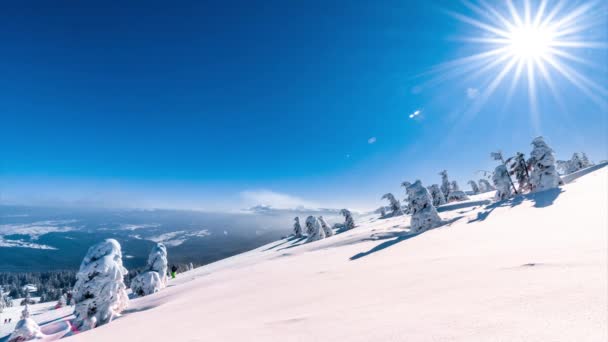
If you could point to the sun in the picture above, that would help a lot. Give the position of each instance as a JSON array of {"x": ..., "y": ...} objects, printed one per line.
[{"x": 530, "y": 43}]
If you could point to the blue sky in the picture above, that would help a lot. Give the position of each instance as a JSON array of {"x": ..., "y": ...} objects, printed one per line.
[{"x": 223, "y": 105}]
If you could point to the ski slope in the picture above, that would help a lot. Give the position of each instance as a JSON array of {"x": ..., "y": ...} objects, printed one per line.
[{"x": 533, "y": 268}]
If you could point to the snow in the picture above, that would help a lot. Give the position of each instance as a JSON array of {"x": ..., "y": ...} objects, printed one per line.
[{"x": 531, "y": 268}]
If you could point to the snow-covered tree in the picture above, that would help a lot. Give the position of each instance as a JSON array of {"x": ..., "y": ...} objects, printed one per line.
[
  {"x": 501, "y": 182},
  {"x": 326, "y": 228},
  {"x": 424, "y": 214},
  {"x": 436, "y": 195},
  {"x": 154, "y": 277},
  {"x": 190, "y": 266},
  {"x": 456, "y": 194},
  {"x": 381, "y": 211},
  {"x": 519, "y": 168},
  {"x": 297, "y": 228},
  {"x": 445, "y": 184},
  {"x": 405, "y": 184},
  {"x": 393, "y": 204},
  {"x": 313, "y": 225},
  {"x": 349, "y": 223},
  {"x": 585, "y": 160},
  {"x": 474, "y": 186},
  {"x": 62, "y": 301},
  {"x": 485, "y": 186},
  {"x": 100, "y": 293},
  {"x": 498, "y": 156},
  {"x": 26, "y": 329},
  {"x": 562, "y": 166},
  {"x": 544, "y": 174},
  {"x": 575, "y": 163}
]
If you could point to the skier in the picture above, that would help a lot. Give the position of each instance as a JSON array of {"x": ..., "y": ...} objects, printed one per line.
[{"x": 173, "y": 271}]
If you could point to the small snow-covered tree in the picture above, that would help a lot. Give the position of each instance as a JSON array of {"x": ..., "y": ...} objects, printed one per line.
[
  {"x": 485, "y": 186},
  {"x": 445, "y": 184},
  {"x": 498, "y": 156},
  {"x": 349, "y": 222},
  {"x": 574, "y": 164},
  {"x": 474, "y": 186},
  {"x": 436, "y": 195},
  {"x": 26, "y": 329},
  {"x": 297, "y": 228},
  {"x": 585, "y": 160},
  {"x": 405, "y": 184},
  {"x": 61, "y": 302},
  {"x": 544, "y": 174},
  {"x": 313, "y": 225},
  {"x": 381, "y": 211},
  {"x": 502, "y": 183},
  {"x": 456, "y": 194},
  {"x": 190, "y": 266},
  {"x": 393, "y": 204},
  {"x": 326, "y": 228},
  {"x": 424, "y": 214},
  {"x": 100, "y": 293},
  {"x": 562, "y": 166},
  {"x": 154, "y": 277},
  {"x": 519, "y": 168}
]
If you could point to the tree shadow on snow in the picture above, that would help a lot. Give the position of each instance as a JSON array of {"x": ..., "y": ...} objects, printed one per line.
[
  {"x": 396, "y": 238},
  {"x": 541, "y": 200},
  {"x": 295, "y": 243},
  {"x": 291, "y": 238}
]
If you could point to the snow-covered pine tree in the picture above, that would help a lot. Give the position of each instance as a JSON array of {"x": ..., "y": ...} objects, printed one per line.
[
  {"x": 100, "y": 293},
  {"x": 393, "y": 204},
  {"x": 154, "y": 277},
  {"x": 498, "y": 157},
  {"x": 502, "y": 183},
  {"x": 190, "y": 266},
  {"x": 26, "y": 329},
  {"x": 585, "y": 160},
  {"x": 474, "y": 186},
  {"x": 381, "y": 211},
  {"x": 575, "y": 163},
  {"x": 297, "y": 228},
  {"x": 562, "y": 166},
  {"x": 61, "y": 302},
  {"x": 544, "y": 174},
  {"x": 326, "y": 228},
  {"x": 485, "y": 186},
  {"x": 424, "y": 214},
  {"x": 405, "y": 184},
  {"x": 310, "y": 229},
  {"x": 445, "y": 184},
  {"x": 456, "y": 194},
  {"x": 436, "y": 195},
  {"x": 313, "y": 225},
  {"x": 519, "y": 168},
  {"x": 349, "y": 222}
]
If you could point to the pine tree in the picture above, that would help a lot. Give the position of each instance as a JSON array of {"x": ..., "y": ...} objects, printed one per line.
[
  {"x": 313, "y": 225},
  {"x": 485, "y": 186},
  {"x": 26, "y": 329},
  {"x": 424, "y": 214},
  {"x": 100, "y": 293},
  {"x": 519, "y": 168},
  {"x": 585, "y": 160},
  {"x": 405, "y": 184},
  {"x": 349, "y": 223},
  {"x": 544, "y": 174},
  {"x": 445, "y": 184},
  {"x": 436, "y": 195},
  {"x": 297, "y": 228},
  {"x": 502, "y": 183},
  {"x": 393, "y": 204},
  {"x": 326, "y": 228},
  {"x": 498, "y": 156},
  {"x": 474, "y": 186},
  {"x": 154, "y": 277}
]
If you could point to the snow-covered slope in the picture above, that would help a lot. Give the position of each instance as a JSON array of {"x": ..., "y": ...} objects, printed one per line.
[{"x": 533, "y": 268}]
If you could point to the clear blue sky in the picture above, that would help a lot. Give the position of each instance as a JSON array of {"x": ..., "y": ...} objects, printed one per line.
[{"x": 217, "y": 105}]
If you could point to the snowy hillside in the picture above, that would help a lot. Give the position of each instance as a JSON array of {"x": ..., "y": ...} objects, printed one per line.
[{"x": 532, "y": 268}]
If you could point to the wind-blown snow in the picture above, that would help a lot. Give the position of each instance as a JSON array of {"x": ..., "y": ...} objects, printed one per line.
[{"x": 531, "y": 268}]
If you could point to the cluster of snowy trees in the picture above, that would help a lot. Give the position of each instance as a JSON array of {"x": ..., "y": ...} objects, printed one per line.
[
  {"x": 578, "y": 161},
  {"x": 51, "y": 284},
  {"x": 154, "y": 278},
  {"x": 317, "y": 228},
  {"x": 26, "y": 329}
]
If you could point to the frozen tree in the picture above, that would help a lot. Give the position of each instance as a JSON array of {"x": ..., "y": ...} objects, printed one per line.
[
  {"x": 544, "y": 175},
  {"x": 562, "y": 166},
  {"x": 26, "y": 329},
  {"x": 381, "y": 211},
  {"x": 502, "y": 183},
  {"x": 146, "y": 283},
  {"x": 297, "y": 228},
  {"x": 349, "y": 223},
  {"x": 519, "y": 168},
  {"x": 485, "y": 186},
  {"x": 445, "y": 184},
  {"x": 326, "y": 228},
  {"x": 498, "y": 156},
  {"x": 313, "y": 225},
  {"x": 62, "y": 301},
  {"x": 474, "y": 186},
  {"x": 456, "y": 194},
  {"x": 405, "y": 184},
  {"x": 574, "y": 164},
  {"x": 154, "y": 277},
  {"x": 436, "y": 195},
  {"x": 424, "y": 214},
  {"x": 190, "y": 267},
  {"x": 100, "y": 293},
  {"x": 585, "y": 160},
  {"x": 393, "y": 204}
]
